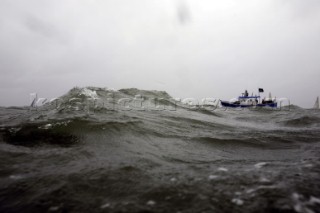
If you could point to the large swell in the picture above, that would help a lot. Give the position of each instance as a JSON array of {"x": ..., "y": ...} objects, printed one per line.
[{"x": 73, "y": 158}]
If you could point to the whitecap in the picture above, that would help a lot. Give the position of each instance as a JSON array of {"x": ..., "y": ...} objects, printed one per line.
[
  {"x": 308, "y": 165},
  {"x": 54, "y": 208},
  {"x": 173, "y": 179},
  {"x": 105, "y": 206},
  {"x": 15, "y": 177},
  {"x": 249, "y": 191},
  {"x": 237, "y": 201},
  {"x": 301, "y": 206},
  {"x": 47, "y": 126},
  {"x": 314, "y": 200},
  {"x": 223, "y": 169},
  {"x": 264, "y": 180},
  {"x": 89, "y": 93},
  {"x": 295, "y": 196},
  {"x": 212, "y": 177},
  {"x": 259, "y": 165},
  {"x": 151, "y": 203}
]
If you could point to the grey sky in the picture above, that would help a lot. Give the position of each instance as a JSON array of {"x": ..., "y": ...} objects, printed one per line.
[{"x": 190, "y": 48}]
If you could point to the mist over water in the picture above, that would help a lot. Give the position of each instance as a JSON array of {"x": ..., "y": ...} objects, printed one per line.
[{"x": 73, "y": 156}]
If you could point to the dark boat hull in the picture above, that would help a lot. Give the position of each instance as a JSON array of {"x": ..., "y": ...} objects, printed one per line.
[{"x": 232, "y": 105}]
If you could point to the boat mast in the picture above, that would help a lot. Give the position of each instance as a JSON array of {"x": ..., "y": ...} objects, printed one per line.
[{"x": 316, "y": 104}]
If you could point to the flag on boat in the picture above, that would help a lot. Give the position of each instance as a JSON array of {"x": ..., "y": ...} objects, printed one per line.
[{"x": 261, "y": 90}]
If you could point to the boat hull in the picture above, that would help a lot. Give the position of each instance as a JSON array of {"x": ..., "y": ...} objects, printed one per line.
[{"x": 232, "y": 105}]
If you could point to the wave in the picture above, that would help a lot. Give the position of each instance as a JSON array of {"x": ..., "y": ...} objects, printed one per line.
[
  {"x": 202, "y": 125},
  {"x": 261, "y": 142},
  {"x": 32, "y": 135},
  {"x": 291, "y": 107},
  {"x": 302, "y": 121},
  {"x": 145, "y": 93},
  {"x": 66, "y": 132},
  {"x": 90, "y": 157}
]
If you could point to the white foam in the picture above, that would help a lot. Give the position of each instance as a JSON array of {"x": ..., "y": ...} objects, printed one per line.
[
  {"x": 74, "y": 99},
  {"x": 308, "y": 165},
  {"x": 47, "y": 126},
  {"x": 151, "y": 203},
  {"x": 314, "y": 200},
  {"x": 105, "y": 206},
  {"x": 302, "y": 206},
  {"x": 237, "y": 201},
  {"x": 238, "y": 193},
  {"x": 89, "y": 93},
  {"x": 212, "y": 177},
  {"x": 15, "y": 177},
  {"x": 297, "y": 207},
  {"x": 249, "y": 191},
  {"x": 259, "y": 165},
  {"x": 295, "y": 196},
  {"x": 264, "y": 180},
  {"x": 54, "y": 208},
  {"x": 223, "y": 169},
  {"x": 173, "y": 179}
]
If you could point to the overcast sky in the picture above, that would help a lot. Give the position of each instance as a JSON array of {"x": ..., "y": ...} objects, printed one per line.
[{"x": 189, "y": 48}]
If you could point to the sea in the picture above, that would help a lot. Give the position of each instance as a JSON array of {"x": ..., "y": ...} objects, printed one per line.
[{"x": 100, "y": 150}]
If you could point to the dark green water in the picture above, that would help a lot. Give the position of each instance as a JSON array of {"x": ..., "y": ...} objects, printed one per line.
[{"x": 75, "y": 159}]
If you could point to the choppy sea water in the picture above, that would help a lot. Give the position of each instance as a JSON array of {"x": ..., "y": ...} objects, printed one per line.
[{"x": 73, "y": 158}]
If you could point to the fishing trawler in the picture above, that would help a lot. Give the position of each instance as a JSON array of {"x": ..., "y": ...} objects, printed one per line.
[{"x": 245, "y": 101}]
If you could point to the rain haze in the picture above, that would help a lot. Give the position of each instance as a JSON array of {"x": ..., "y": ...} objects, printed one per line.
[
  {"x": 153, "y": 106},
  {"x": 188, "y": 48}
]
